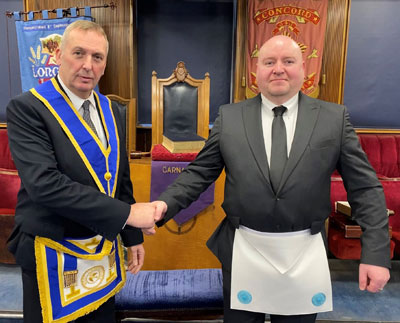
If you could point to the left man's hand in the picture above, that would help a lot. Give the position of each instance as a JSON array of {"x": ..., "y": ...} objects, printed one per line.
[
  {"x": 161, "y": 208},
  {"x": 373, "y": 278},
  {"x": 149, "y": 231},
  {"x": 136, "y": 258},
  {"x": 144, "y": 215}
]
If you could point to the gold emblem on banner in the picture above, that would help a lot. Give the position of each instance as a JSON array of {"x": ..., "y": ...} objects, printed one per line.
[{"x": 254, "y": 53}]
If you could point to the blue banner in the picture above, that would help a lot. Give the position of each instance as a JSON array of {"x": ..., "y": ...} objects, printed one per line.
[{"x": 37, "y": 44}]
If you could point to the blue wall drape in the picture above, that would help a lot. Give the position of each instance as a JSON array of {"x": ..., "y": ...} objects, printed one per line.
[
  {"x": 372, "y": 84},
  {"x": 199, "y": 33},
  {"x": 10, "y": 80}
]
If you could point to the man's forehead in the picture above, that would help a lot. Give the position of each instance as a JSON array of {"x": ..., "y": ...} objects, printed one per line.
[
  {"x": 86, "y": 44},
  {"x": 280, "y": 43},
  {"x": 271, "y": 53},
  {"x": 78, "y": 35},
  {"x": 280, "y": 51}
]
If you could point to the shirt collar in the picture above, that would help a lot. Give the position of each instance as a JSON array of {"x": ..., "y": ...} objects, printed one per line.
[
  {"x": 291, "y": 104},
  {"x": 76, "y": 100}
]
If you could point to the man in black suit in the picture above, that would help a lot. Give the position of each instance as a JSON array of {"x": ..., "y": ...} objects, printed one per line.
[
  {"x": 279, "y": 150},
  {"x": 76, "y": 194}
]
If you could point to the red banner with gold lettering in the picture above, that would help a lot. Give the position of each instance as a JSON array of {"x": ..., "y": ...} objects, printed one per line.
[{"x": 302, "y": 20}]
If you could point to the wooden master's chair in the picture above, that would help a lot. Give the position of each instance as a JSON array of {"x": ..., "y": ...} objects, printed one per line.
[
  {"x": 180, "y": 104},
  {"x": 127, "y": 109}
]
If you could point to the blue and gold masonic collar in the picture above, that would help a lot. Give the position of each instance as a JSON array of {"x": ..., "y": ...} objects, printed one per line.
[{"x": 102, "y": 162}]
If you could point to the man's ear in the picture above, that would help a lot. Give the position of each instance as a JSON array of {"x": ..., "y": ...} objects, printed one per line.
[{"x": 58, "y": 56}]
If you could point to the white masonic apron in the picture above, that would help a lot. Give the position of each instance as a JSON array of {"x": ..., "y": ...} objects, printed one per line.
[{"x": 280, "y": 273}]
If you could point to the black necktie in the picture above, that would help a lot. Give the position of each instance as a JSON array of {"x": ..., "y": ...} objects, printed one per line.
[
  {"x": 278, "y": 147},
  {"x": 86, "y": 116}
]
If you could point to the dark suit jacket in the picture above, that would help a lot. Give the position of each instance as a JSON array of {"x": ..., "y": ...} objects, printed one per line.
[
  {"x": 58, "y": 197},
  {"x": 324, "y": 140}
]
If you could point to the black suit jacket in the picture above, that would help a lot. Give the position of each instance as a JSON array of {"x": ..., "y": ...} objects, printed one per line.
[
  {"x": 324, "y": 140},
  {"x": 58, "y": 196}
]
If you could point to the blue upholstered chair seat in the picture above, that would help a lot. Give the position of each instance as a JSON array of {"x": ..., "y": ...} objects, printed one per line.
[{"x": 172, "y": 290}]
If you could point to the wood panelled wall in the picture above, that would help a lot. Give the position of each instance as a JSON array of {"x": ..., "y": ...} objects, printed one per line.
[
  {"x": 333, "y": 62},
  {"x": 335, "y": 48},
  {"x": 239, "y": 79},
  {"x": 119, "y": 77}
]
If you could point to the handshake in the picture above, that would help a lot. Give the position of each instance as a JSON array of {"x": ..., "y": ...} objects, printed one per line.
[{"x": 145, "y": 215}]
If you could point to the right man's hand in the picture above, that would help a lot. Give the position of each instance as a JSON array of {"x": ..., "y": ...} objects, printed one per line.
[
  {"x": 160, "y": 206},
  {"x": 144, "y": 215},
  {"x": 373, "y": 278}
]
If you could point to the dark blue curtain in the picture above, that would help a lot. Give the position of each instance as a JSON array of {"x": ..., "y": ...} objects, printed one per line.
[
  {"x": 200, "y": 33},
  {"x": 10, "y": 80},
  {"x": 372, "y": 85}
]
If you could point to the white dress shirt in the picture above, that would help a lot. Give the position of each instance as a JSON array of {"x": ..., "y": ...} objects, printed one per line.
[
  {"x": 94, "y": 115},
  {"x": 289, "y": 117}
]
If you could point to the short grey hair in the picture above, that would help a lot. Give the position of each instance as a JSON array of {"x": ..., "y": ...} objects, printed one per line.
[{"x": 82, "y": 25}]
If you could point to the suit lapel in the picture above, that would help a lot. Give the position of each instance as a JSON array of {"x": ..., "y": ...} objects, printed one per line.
[
  {"x": 306, "y": 118},
  {"x": 251, "y": 113}
]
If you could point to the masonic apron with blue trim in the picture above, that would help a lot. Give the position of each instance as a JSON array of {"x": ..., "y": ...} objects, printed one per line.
[
  {"x": 76, "y": 276},
  {"x": 280, "y": 273}
]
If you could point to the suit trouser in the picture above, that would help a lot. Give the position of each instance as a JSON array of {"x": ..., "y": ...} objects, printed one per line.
[
  {"x": 238, "y": 316},
  {"x": 33, "y": 312}
]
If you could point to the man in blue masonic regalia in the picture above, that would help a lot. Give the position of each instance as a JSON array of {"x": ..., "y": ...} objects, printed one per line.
[{"x": 76, "y": 200}]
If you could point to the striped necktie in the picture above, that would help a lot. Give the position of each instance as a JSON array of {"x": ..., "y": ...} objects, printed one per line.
[{"x": 86, "y": 116}]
